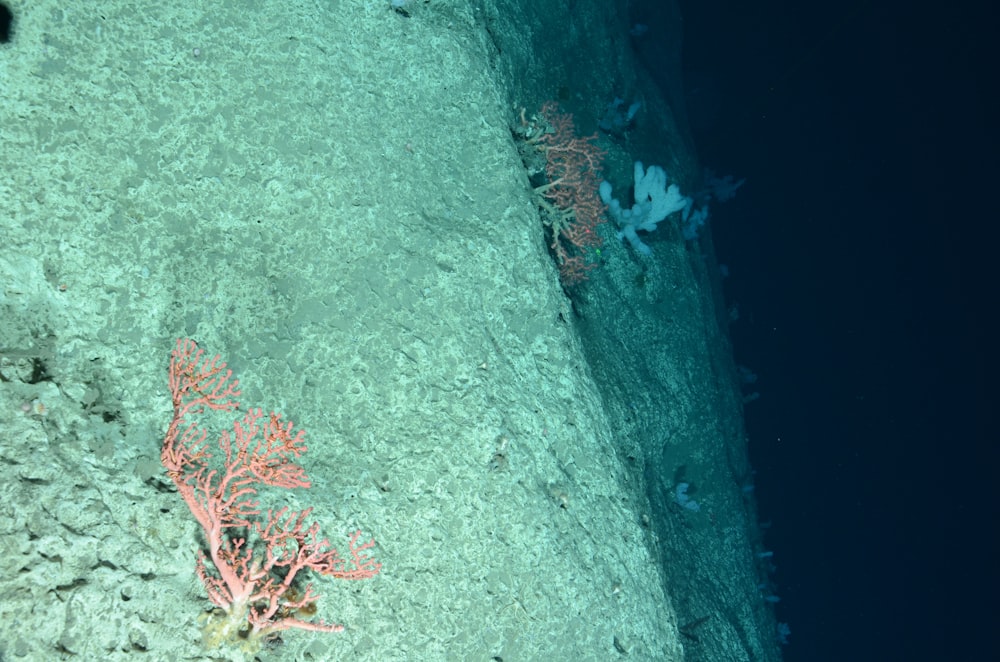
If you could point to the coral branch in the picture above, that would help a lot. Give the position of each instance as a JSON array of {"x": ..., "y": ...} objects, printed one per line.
[
  {"x": 571, "y": 201},
  {"x": 255, "y": 592}
]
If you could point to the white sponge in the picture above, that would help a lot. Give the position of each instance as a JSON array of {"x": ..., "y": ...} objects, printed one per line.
[{"x": 654, "y": 201}]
